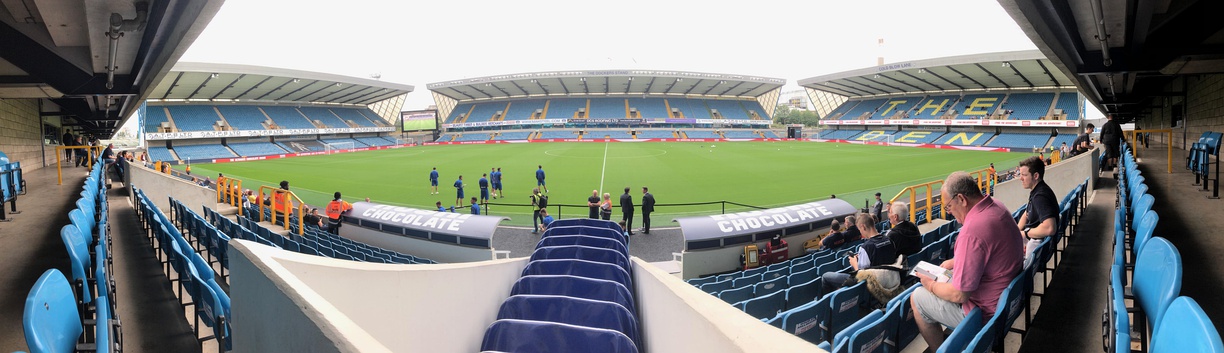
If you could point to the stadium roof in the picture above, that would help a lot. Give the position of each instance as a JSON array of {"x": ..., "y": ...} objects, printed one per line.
[
  {"x": 991, "y": 71},
  {"x": 205, "y": 82},
  {"x": 606, "y": 82},
  {"x": 1124, "y": 53},
  {"x": 61, "y": 51}
]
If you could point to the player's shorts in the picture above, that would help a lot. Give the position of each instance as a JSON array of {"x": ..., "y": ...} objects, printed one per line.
[
  {"x": 484, "y": 193},
  {"x": 433, "y": 182},
  {"x": 496, "y": 186},
  {"x": 459, "y": 194},
  {"x": 540, "y": 182}
]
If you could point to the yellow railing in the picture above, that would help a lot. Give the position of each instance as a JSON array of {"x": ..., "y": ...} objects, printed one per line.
[
  {"x": 929, "y": 193},
  {"x": 1136, "y": 146},
  {"x": 288, "y": 197},
  {"x": 229, "y": 191},
  {"x": 93, "y": 152}
]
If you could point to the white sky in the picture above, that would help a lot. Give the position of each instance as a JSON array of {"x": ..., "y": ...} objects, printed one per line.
[{"x": 419, "y": 42}]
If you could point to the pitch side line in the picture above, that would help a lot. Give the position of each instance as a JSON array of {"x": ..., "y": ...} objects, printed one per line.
[{"x": 603, "y": 169}]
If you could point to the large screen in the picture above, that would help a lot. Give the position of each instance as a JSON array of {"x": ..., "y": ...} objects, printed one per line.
[{"x": 419, "y": 120}]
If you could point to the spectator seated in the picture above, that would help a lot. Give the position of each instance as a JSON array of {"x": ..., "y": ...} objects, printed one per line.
[
  {"x": 251, "y": 149},
  {"x": 201, "y": 152},
  {"x": 1029, "y": 106},
  {"x": 193, "y": 117},
  {"x": 288, "y": 117},
  {"x": 243, "y": 117},
  {"x": 1019, "y": 140}
]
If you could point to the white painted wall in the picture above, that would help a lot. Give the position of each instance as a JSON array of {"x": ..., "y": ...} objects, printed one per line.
[
  {"x": 160, "y": 186},
  {"x": 363, "y": 307},
  {"x": 440, "y": 252}
]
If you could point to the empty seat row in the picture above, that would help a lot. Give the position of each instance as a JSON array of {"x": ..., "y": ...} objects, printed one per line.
[{"x": 12, "y": 184}]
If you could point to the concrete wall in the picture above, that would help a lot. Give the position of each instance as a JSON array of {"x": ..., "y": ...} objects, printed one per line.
[
  {"x": 704, "y": 262},
  {"x": 1061, "y": 177},
  {"x": 21, "y": 135},
  {"x": 677, "y": 317},
  {"x": 446, "y": 253},
  {"x": 1203, "y": 104},
  {"x": 160, "y": 186},
  {"x": 346, "y": 306}
]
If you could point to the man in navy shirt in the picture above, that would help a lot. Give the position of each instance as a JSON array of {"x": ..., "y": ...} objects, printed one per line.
[
  {"x": 493, "y": 181},
  {"x": 459, "y": 192},
  {"x": 433, "y": 180},
  {"x": 484, "y": 188},
  {"x": 497, "y": 185},
  {"x": 475, "y": 206},
  {"x": 540, "y": 178},
  {"x": 1040, "y": 218}
]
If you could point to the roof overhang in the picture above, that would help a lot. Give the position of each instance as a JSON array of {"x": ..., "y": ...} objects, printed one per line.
[
  {"x": 1012, "y": 70},
  {"x": 210, "y": 82},
  {"x": 607, "y": 83}
]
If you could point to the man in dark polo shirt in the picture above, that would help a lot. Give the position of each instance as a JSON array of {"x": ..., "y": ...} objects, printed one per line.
[
  {"x": 1040, "y": 219},
  {"x": 593, "y": 204}
]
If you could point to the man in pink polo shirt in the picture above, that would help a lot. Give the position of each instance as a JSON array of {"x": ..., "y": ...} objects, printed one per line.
[{"x": 989, "y": 253}]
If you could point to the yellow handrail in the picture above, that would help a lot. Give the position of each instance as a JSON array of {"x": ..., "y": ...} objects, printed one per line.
[
  {"x": 929, "y": 192},
  {"x": 94, "y": 152},
  {"x": 229, "y": 191},
  {"x": 289, "y": 198}
]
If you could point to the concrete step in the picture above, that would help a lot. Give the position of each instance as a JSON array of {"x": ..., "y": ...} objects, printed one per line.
[
  {"x": 226, "y": 209},
  {"x": 274, "y": 229}
]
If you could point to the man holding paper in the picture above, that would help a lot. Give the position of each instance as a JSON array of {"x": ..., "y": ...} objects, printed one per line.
[{"x": 987, "y": 256}]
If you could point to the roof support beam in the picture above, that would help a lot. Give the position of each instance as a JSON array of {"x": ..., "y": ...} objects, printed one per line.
[{"x": 223, "y": 89}]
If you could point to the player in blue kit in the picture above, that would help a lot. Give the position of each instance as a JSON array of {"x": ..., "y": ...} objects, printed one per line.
[
  {"x": 433, "y": 181},
  {"x": 459, "y": 192},
  {"x": 497, "y": 185},
  {"x": 540, "y": 178},
  {"x": 484, "y": 188}
]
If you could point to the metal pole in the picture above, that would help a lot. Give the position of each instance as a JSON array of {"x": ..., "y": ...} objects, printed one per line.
[{"x": 59, "y": 165}]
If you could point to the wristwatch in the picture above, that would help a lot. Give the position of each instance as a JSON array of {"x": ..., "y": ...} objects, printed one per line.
[{"x": 1026, "y": 230}]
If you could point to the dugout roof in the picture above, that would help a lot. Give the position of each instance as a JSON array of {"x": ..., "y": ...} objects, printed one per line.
[
  {"x": 63, "y": 52},
  {"x": 606, "y": 82},
  {"x": 210, "y": 82},
  {"x": 1125, "y": 53},
  {"x": 991, "y": 71}
]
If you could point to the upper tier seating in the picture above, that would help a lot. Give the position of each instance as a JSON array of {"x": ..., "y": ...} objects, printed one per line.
[
  {"x": 842, "y": 109},
  {"x": 756, "y": 107},
  {"x": 193, "y": 117},
  {"x": 1070, "y": 105},
  {"x": 934, "y": 107},
  {"x": 729, "y": 109},
  {"x": 1058, "y": 140},
  {"x": 324, "y": 115},
  {"x": 702, "y": 134},
  {"x": 978, "y": 106},
  {"x": 523, "y": 109},
  {"x": 655, "y": 134},
  {"x": 297, "y": 146},
  {"x": 864, "y": 107},
  {"x": 741, "y": 134},
  {"x": 460, "y": 109},
  {"x": 692, "y": 108},
  {"x": 1016, "y": 140},
  {"x": 558, "y": 134},
  {"x": 892, "y": 106},
  {"x": 1029, "y": 106},
  {"x": 288, "y": 118},
  {"x": 243, "y": 117},
  {"x": 251, "y": 149},
  {"x": 159, "y": 154},
  {"x": 649, "y": 108},
  {"x": 197, "y": 152},
  {"x": 154, "y": 116},
  {"x": 485, "y": 111},
  {"x": 562, "y": 108},
  {"x": 839, "y": 134},
  {"x": 353, "y": 115},
  {"x": 607, "y": 108}
]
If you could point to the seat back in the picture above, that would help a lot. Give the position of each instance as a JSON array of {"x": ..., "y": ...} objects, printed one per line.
[
  {"x": 746, "y": 281},
  {"x": 844, "y": 306},
  {"x": 509, "y": 335},
  {"x": 803, "y": 293},
  {"x": 717, "y": 286},
  {"x": 736, "y": 295},
  {"x": 766, "y": 307},
  {"x": 570, "y": 310},
  {"x": 580, "y": 268},
  {"x": 808, "y": 321},
  {"x": 984, "y": 340},
  {"x": 1144, "y": 227},
  {"x": 51, "y": 320},
  {"x": 803, "y": 276},
  {"x": 964, "y": 332},
  {"x": 1186, "y": 328},
  {"x": 78, "y": 257},
  {"x": 841, "y": 339},
  {"x": 770, "y": 286},
  {"x": 874, "y": 335},
  {"x": 581, "y": 253},
  {"x": 580, "y": 287},
  {"x": 584, "y": 240},
  {"x": 1158, "y": 278}
]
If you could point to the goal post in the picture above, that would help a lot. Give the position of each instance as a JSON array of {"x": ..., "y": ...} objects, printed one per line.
[{"x": 336, "y": 147}]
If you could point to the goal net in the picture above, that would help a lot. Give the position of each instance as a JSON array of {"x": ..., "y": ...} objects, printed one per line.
[{"x": 335, "y": 147}]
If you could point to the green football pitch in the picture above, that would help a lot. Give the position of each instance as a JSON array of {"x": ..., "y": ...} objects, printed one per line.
[{"x": 761, "y": 174}]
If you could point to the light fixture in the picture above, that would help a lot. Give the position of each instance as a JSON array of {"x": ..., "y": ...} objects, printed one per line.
[
  {"x": 337, "y": 84},
  {"x": 1006, "y": 64},
  {"x": 296, "y": 80},
  {"x": 922, "y": 71},
  {"x": 215, "y": 75},
  {"x": 877, "y": 76}
]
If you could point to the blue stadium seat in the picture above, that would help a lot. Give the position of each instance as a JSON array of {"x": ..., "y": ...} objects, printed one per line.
[
  {"x": 579, "y": 268},
  {"x": 581, "y": 253},
  {"x": 696, "y": 282},
  {"x": 808, "y": 321},
  {"x": 573, "y": 286},
  {"x": 866, "y": 329},
  {"x": 899, "y": 307},
  {"x": 1186, "y": 328},
  {"x": 716, "y": 287},
  {"x": 193, "y": 117},
  {"x": 964, "y": 332},
  {"x": 508, "y": 335},
  {"x": 584, "y": 240},
  {"x": 748, "y": 280},
  {"x": 243, "y": 117},
  {"x": 844, "y": 306},
  {"x": 770, "y": 286},
  {"x": 767, "y": 306},
  {"x": 571, "y": 310},
  {"x": 1029, "y": 106},
  {"x": 803, "y": 276},
  {"x": 251, "y": 149},
  {"x": 1158, "y": 279},
  {"x": 50, "y": 319},
  {"x": 736, "y": 295},
  {"x": 803, "y": 293}
]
